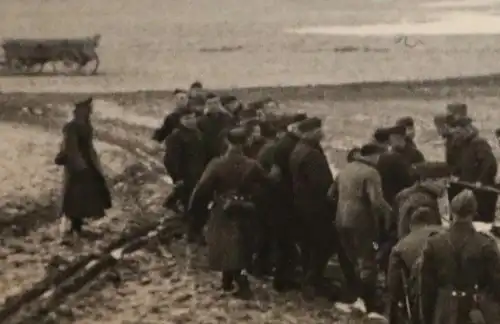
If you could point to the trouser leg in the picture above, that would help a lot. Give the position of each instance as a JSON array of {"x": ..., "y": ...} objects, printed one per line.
[
  {"x": 76, "y": 225},
  {"x": 228, "y": 278}
]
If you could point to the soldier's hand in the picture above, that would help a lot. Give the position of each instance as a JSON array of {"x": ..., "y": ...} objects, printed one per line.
[
  {"x": 477, "y": 184},
  {"x": 453, "y": 178}
]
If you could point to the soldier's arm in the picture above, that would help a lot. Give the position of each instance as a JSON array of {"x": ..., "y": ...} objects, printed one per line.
[
  {"x": 486, "y": 162},
  {"x": 74, "y": 158},
  {"x": 395, "y": 288},
  {"x": 427, "y": 284},
  {"x": 167, "y": 127},
  {"x": 172, "y": 156},
  {"x": 266, "y": 157},
  {"x": 205, "y": 187},
  {"x": 492, "y": 257},
  {"x": 373, "y": 187}
]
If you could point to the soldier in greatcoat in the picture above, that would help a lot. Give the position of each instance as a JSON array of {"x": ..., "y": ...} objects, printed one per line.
[
  {"x": 361, "y": 210},
  {"x": 402, "y": 305},
  {"x": 476, "y": 164},
  {"x": 430, "y": 187},
  {"x": 279, "y": 207},
  {"x": 214, "y": 125},
  {"x": 410, "y": 150},
  {"x": 185, "y": 158},
  {"x": 85, "y": 192},
  {"x": 460, "y": 271},
  {"x": 172, "y": 119},
  {"x": 397, "y": 174},
  {"x": 230, "y": 182},
  {"x": 311, "y": 181}
]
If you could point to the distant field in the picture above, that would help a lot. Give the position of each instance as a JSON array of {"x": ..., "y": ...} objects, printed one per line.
[{"x": 155, "y": 44}]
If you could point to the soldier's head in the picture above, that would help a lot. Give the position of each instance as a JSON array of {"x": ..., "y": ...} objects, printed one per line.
[
  {"x": 237, "y": 137},
  {"x": 434, "y": 175},
  {"x": 461, "y": 128},
  {"x": 422, "y": 216},
  {"x": 196, "y": 104},
  {"x": 397, "y": 137},
  {"x": 213, "y": 104},
  {"x": 353, "y": 154},
  {"x": 83, "y": 110},
  {"x": 231, "y": 103},
  {"x": 370, "y": 152},
  {"x": 457, "y": 109},
  {"x": 311, "y": 129},
  {"x": 180, "y": 98},
  {"x": 464, "y": 206},
  {"x": 409, "y": 124},
  {"x": 196, "y": 89},
  {"x": 381, "y": 137}
]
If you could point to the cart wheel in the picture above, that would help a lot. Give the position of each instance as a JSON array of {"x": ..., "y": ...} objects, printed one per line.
[
  {"x": 90, "y": 67},
  {"x": 65, "y": 67}
]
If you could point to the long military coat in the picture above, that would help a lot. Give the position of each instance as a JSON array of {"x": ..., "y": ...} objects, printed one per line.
[
  {"x": 85, "y": 192},
  {"x": 453, "y": 264},
  {"x": 477, "y": 163},
  {"x": 229, "y": 237},
  {"x": 399, "y": 282}
]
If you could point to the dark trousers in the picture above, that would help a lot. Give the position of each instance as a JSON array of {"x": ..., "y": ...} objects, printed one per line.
[
  {"x": 229, "y": 278},
  {"x": 360, "y": 251},
  {"x": 76, "y": 224}
]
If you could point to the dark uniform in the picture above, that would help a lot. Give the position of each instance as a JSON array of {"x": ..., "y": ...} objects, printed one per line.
[
  {"x": 410, "y": 150},
  {"x": 214, "y": 126},
  {"x": 396, "y": 174},
  {"x": 460, "y": 271},
  {"x": 477, "y": 163},
  {"x": 424, "y": 193},
  {"x": 185, "y": 159},
  {"x": 85, "y": 192},
  {"x": 402, "y": 305},
  {"x": 312, "y": 179},
  {"x": 230, "y": 182}
]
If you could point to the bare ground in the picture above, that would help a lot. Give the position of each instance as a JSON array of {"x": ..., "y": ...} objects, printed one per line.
[{"x": 159, "y": 285}]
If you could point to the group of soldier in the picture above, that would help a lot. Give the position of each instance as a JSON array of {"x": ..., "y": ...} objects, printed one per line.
[{"x": 254, "y": 184}]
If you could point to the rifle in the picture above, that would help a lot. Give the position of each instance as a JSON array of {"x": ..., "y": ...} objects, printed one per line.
[
  {"x": 407, "y": 296},
  {"x": 473, "y": 186}
]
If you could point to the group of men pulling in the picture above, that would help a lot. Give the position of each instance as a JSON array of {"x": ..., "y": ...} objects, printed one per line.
[{"x": 254, "y": 184}]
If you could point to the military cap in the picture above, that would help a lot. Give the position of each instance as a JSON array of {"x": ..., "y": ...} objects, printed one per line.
[
  {"x": 432, "y": 170},
  {"x": 381, "y": 135},
  {"x": 196, "y": 85},
  {"x": 309, "y": 124},
  {"x": 405, "y": 122},
  {"x": 211, "y": 95},
  {"x": 226, "y": 99},
  {"x": 454, "y": 121},
  {"x": 298, "y": 117},
  {"x": 370, "y": 149},
  {"x": 457, "y": 109},
  {"x": 237, "y": 135},
  {"x": 464, "y": 204},
  {"x": 351, "y": 155},
  {"x": 178, "y": 91},
  {"x": 397, "y": 130},
  {"x": 84, "y": 103}
]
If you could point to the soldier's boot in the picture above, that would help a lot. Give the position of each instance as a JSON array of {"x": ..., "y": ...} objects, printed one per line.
[
  {"x": 244, "y": 292},
  {"x": 227, "y": 281}
]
